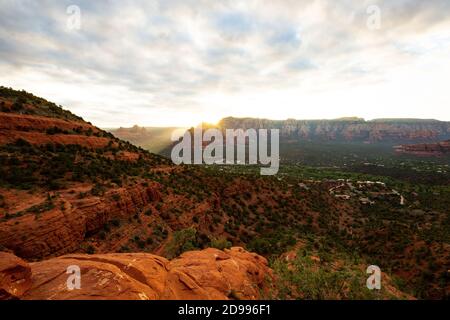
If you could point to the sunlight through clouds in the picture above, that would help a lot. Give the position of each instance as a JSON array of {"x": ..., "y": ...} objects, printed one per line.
[{"x": 176, "y": 63}]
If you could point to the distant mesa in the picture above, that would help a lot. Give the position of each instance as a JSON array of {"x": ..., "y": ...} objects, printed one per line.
[
  {"x": 390, "y": 132},
  {"x": 350, "y": 129}
]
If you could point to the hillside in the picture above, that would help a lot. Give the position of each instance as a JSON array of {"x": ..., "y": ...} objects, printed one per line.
[{"x": 61, "y": 192}]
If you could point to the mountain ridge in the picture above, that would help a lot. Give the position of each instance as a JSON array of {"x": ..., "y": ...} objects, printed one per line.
[{"x": 380, "y": 130}]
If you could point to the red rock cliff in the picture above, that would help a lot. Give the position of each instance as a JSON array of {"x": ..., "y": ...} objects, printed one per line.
[
  {"x": 348, "y": 129},
  {"x": 61, "y": 229}
]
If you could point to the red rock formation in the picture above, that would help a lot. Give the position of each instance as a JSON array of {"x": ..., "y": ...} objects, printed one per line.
[
  {"x": 347, "y": 129},
  {"x": 13, "y": 121},
  {"x": 56, "y": 231},
  {"x": 61, "y": 229},
  {"x": 15, "y": 276},
  {"x": 425, "y": 149},
  {"x": 34, "y": 130},
  {"x": 207, "y": 274}
]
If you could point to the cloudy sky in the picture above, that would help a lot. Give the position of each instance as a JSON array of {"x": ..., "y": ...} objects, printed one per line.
[{"x": 179, "y": 62}]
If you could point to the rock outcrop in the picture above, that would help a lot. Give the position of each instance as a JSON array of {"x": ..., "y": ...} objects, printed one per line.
[
  {"x": 206, "y": 274},
  {"x": 15, "y": 276},
  {"x": 39, "y": 130},
  {"x": 60, "y": 229},
  {"x": 38, "y": 138}
]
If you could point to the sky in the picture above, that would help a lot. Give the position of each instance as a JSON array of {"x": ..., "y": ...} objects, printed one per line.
[{"x": 180, "y": 62}]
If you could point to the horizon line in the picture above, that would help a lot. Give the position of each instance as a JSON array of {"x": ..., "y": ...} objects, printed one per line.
[{"x": 343, "y": 119}]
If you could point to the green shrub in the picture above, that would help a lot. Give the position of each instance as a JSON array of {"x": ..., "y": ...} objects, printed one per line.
[
  {"x": 303, "y": 278},
  {"x": 183, "y": 240},
  {"x": 141, "y": 244},
  {"x": 148, "y": 212},
  {"x": 124, "y": 249},
  {"x": 220, "y": 243},
  {"x": 98, "y": 190},
  {"x": 3, "y": 107}
]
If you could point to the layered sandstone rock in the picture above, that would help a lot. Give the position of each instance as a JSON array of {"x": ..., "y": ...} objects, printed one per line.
[
  {"x": 53, "y": 232},
  {"x": 206, "y": 274},
  {"x": 61, "y": 229},
  {"x": 22, "y": 122},
  {"x": 15, "y": 276},
  {"x": 349, "y": 129},
  {"x": 41, "y": 138},
  {"x": 34, "y": 129}
]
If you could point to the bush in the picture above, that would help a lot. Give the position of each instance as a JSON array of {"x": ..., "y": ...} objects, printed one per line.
[
  {"x": 55, "y": 130},
  {"x": 261, "y": 246},
  {"x": 98, "y": 190},
  {"x": 124, "y": 249},
  {"x": 141, "y": 244},
  {"x": 148, "y": 212},
  {"x": 183, "y": 240},
  {"x": 90, "y": 249},
  {"x": 3, "y": 107},
  {"x": 22, "y": 143},
  {"x": 17, "y": 106},
  {"x": 220, "y": 243},
  {"x": 306, "y": 279},
  {"x": 115, "y": 223}
]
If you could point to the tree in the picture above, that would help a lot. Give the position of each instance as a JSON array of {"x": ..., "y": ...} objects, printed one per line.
[
  {"x": 3, "y": 107},
  {"x": 18, "y": 104},
  {"x": 183, "y": 240}
]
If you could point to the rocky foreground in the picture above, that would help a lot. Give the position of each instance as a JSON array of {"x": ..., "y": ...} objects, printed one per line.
[{"x": 206, "y": 274}]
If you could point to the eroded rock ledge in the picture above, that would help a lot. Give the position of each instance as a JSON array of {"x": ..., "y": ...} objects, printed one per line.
[{"x": 206, "y": 274}]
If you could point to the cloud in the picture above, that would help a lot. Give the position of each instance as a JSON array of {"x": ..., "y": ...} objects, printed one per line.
[{"x": 178, "y": 62}]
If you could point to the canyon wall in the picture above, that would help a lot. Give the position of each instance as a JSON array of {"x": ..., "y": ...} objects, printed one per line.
[{"x": 60, "y": 229}]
